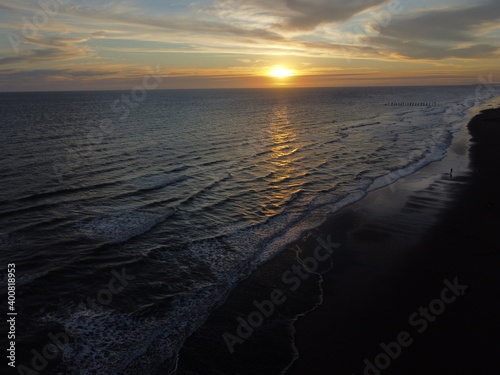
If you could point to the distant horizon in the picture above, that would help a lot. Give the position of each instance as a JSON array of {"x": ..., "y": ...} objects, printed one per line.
[
  {"x": 70, "y": 45},
  {"x": 238, "y": 88}
]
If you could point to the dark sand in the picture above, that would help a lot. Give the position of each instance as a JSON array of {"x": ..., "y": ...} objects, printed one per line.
[
  {"x": 398, "y": 245},
  {"x": 396, "y": 260}
]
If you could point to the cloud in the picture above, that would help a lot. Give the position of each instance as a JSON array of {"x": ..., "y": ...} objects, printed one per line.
[
  {"x": 441, "y": 34},
  {"x": 311, "y": 13},
  {"x": 248, "y": 27},
  {"x": 292, "y": 15},
  {"x": 74, "y": 76},
  {"x": 446, "y": 24},
  {"x": 99, "y": 34},
  {"x": 48, "y": 49},
  {"x": 415, "y": 50},
  {"x": 223, "y": 33}
]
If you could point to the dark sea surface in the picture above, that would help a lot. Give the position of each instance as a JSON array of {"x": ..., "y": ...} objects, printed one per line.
[{"x": 130, "y": 218}]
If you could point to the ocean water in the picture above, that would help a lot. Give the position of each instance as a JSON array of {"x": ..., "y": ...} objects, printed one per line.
[{"x": 130, "y": 218}]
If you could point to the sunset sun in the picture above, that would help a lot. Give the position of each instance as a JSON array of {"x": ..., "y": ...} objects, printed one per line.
[{"x": 280, "y": 72}]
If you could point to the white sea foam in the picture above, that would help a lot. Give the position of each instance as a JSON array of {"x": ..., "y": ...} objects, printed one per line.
[
  {"x": 23, "y": 279},
  {"x": 120, "y": 226},
  {"x": 111, "y": 342}
]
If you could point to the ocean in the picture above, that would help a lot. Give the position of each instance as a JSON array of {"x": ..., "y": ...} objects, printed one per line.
[{"x": 130, "y": 217}]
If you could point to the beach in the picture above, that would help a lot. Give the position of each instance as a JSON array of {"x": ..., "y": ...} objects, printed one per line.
[
  {"x": 370, "y": 300},
  {"x": 300, "y": 241},
  {"x": 230, "y": 187},
  {"x": 411, "y": 286}
]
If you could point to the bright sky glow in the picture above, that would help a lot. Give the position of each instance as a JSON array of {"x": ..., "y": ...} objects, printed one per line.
[
  {"x": 280, "y": 72},
  {"x": 102, "y": 44}
]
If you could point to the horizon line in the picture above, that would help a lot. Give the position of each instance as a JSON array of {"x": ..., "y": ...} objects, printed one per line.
[{"x": 236, "y": 88}]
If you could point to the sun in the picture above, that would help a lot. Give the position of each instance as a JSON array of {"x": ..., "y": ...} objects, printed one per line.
[{"x": 280, "y": 72}]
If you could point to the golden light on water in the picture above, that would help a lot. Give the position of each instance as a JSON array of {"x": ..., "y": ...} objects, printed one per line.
[
  {"x": 280, "y": 72},
  {"x": 283, "y": 181}
]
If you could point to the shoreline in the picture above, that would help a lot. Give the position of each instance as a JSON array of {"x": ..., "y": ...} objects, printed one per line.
[
  {"x": 369, "y": 302},
  {"x": 368, "y": 271}
]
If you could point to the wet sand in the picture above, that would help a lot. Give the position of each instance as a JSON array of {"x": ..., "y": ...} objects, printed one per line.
[
  {"x": 397, "y": 275},
  {"x": 398, "y": 249}
]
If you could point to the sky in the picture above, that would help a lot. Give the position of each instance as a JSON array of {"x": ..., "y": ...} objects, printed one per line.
[{"x": 48, "y": 45}]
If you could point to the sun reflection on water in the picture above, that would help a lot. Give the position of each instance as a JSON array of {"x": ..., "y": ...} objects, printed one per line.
[{"x": 283, "y": 162}]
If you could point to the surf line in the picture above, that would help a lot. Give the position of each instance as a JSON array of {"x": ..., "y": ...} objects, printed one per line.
[{"x": 293, "y": 277}]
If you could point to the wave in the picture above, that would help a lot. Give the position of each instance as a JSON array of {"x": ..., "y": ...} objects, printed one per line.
[
  {"x": 24, "y": 279},
  {"x": 121, "y": 226},
  {"x": 59, "y": 193},
  {"x": 211, "y": 185},
  {"x": 360, "y": 125},
  {"x": 113, "y": 342},
  {"x": 154, "y": 182}
]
